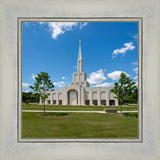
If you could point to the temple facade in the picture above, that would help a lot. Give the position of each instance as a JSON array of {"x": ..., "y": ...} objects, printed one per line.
[{"x": 79, "y": 91}]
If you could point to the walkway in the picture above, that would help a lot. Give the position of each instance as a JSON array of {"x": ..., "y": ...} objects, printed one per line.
[{"x": 74, "y": 111}]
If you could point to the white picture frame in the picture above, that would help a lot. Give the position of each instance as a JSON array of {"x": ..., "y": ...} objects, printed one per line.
[{"x": 147, "y": 147}]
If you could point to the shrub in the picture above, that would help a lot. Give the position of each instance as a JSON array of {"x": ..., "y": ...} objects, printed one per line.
[
  {"x": 56, "y": 114},
  {"x": 131, "y": 114}
]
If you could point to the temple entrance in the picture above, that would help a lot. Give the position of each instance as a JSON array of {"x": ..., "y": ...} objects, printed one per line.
[{"x": 73, "y": 97}]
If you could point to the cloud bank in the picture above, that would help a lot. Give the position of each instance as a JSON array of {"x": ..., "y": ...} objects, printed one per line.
[
  {"x": 59, "y": 84},
  {"x": 105, "y": 85},
  {"x": 136, "y": 70},
  {"x": 116, "y": 75},
  {"x": 33, "y": 76},
  {"x": 58, "y": 28},
  {"x": 25, "y": 85},
  {"x": 63, "y": 77},
  {"x": 96, "y": 77},
  {"x": 127, "y": 47}
]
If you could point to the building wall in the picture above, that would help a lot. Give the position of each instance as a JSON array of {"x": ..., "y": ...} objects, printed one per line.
[{"x": 93, "y": 95}]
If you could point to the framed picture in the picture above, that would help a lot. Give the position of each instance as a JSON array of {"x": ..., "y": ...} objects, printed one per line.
[
  {"x": 84, "y": 94},
  {"x": 85, "y": 50}
]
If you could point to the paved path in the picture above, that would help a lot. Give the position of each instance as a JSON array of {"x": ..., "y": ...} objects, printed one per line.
[
  {"x": 128, "y": 111},
  {"x": 74, "y": 111}
]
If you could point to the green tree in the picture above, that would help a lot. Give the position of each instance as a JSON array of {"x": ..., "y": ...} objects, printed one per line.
[
  {"x": 42, "y": 84},
  {"x": 135, "y": 96},
  {"x": 28, "y": 97},
  {"x": 125, "y": 90}
]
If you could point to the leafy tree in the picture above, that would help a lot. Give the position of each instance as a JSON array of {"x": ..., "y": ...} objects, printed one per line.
[
  {"x": 125, "y": 90},
  {"x": 42, "y": 84},
  {"x": 28, "y": 97},
  {"x": 135, "y": 96}
]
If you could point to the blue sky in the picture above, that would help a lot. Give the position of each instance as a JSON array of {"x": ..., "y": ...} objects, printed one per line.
[{"x": 108, "y": 48}]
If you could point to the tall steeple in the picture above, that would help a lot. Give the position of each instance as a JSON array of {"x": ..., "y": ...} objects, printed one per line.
[
  {"x": 80, "y": 61},
  {"x": 80, "y": 53},
  {"x": 79, "y": 77}
]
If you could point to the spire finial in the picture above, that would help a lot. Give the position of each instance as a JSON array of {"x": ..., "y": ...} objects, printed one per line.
[
  {"x": 80, "y": 54},
  {"x": 79, "y": 62}
]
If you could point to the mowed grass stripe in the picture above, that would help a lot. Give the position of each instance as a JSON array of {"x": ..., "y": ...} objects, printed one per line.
[
  {"x": 76, "y": 108},
  {"x": 79, "y": 125}
]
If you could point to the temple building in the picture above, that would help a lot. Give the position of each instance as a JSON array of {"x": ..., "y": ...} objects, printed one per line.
[{"x": 79, "y": 91}]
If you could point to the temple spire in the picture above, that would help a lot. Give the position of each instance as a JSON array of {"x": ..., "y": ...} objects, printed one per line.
[
  {"x": 80, "y": 53},
  {"x": 80, "y": 62}
]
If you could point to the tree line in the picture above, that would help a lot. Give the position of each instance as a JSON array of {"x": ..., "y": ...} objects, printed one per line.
[{"x": 30, "y": 97}]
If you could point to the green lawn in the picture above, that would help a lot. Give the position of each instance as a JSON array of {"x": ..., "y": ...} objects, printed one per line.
[
  {"x": 79, "y": 125},
  {"x": 76, "y": 108}
]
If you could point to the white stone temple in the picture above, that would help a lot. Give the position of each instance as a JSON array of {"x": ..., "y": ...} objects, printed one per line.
[{"x": 79, "y": 92}]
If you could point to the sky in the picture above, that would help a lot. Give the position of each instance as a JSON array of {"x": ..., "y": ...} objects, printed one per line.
[{"x": 108, "y": 49}]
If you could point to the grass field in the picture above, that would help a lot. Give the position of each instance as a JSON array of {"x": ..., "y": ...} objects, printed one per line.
[
  {"x": 76, "y": 108},
  {"x": 79, "y": 125}
]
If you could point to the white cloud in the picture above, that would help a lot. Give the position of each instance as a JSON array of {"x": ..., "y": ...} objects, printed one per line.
[
  {"x": 25, "y": 85},
  {"x": 116, "y": 75},
  {"x": 63, "y": 77},
  {"x": 59, "y": 84},
  {"x": 96, "y": 77},
  {"x": 127, "y": 46},
  {"x": 58, "y": 28},
  {"x": 135, "y": 63},
  {"x": 41, "y": 22},
  {"x": 136, "y": 77},
  {"x": 135, "y": 36},
  {"x": 105, "y": 85},
  {"x": 82, "y": 25},
  {"x": 27, "y": 91},
  {"x": 26, "y": 23},
  {"x": 136, "y": 70},
  {"x": 33, "y": 76}
]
